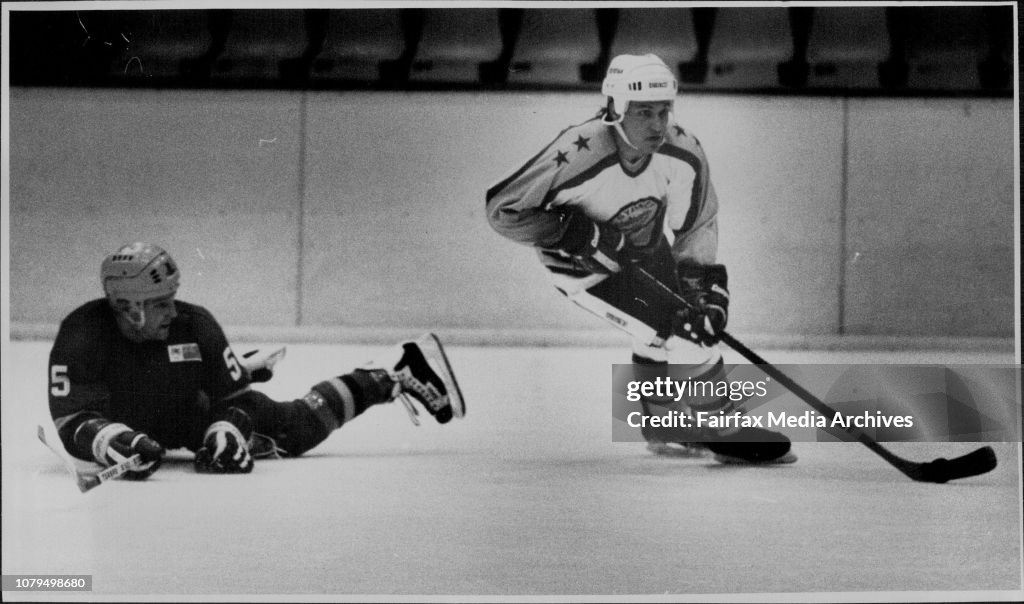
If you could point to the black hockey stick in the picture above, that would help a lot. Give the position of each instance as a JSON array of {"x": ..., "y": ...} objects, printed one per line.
[
  {"x": 87, "y": 481},
  {"x": 939, "y": 470}
]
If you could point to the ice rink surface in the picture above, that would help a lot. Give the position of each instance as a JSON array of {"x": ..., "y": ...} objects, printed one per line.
[{"x": 527, "y": 497}]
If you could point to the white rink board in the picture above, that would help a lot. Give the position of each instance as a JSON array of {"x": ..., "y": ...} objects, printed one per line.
[{"x": 527, "y": 496}]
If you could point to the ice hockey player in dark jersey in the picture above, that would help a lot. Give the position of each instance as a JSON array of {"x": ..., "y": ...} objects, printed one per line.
[
  {"x": 631, "y": 186},
  {"x": 142, "y": 372}
]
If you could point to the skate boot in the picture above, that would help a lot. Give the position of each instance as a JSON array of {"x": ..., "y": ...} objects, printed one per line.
[
  {"x": 424, "y": 374},
  {"x": 684, "y": 442},
  {"x": 682, "y": 449},
  {"x": 672, "y": 442},
  {"x": 752, "y": 446}
]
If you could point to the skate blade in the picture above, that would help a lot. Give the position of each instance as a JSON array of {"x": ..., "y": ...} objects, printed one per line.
[
  {"x": 455, "y": 398},
  {"x": 677, "y": 451},
  {"x": 788, "y": 458}
]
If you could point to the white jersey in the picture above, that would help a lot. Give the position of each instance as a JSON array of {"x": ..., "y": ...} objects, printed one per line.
[{"x": 668, "y": 195}]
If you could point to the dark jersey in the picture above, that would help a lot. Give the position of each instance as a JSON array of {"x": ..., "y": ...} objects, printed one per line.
[{"x": 163, "y": 388}]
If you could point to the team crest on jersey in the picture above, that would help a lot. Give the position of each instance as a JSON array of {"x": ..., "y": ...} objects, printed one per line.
[
  {"x": 182, "y": 353},
  {"x": 637, "y": 220}
]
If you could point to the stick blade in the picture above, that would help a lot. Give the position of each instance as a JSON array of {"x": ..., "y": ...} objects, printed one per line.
[
  {"x": 943, "y": 470},
  {"x": 87, "y": 483},
  {"x": 84, "y": 482}
]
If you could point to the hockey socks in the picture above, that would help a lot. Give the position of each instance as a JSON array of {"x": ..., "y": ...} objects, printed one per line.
[{"x": 339, "y": 400}]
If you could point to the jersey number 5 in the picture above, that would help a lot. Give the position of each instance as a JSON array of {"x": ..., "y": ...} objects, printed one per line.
[
  {"x": 233, "y": 367},
  {"x": 60, "y": 383}
]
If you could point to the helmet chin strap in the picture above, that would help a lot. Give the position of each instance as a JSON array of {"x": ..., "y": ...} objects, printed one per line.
[
  {"x": 617, "y": 124},
  {"x": 133, "y": 313},
  {"x": 137, "y": 317},
  {"x": 622, "y": 133}
]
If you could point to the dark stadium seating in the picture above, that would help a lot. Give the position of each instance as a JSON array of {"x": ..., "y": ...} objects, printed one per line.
[
  {"x": 454, "y": 44},
  {"x": 552, "y": 45},
  {"x": 667, "y": 33},
  {"x": 158, "y": 42},
  {"x": 846, "y": 45},
  {"x": 256, "y": 42},
  {"x": 833, "y": 49},
  {"x": 747, "y": 45},
  {"x": 355, "y": 43}
]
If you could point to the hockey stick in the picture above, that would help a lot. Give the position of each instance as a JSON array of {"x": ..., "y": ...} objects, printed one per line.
[
  {"x": 939, "y": 470},
  {"x": 88, "y": 481}
]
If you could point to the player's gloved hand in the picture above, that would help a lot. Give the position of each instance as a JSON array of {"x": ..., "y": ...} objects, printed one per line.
[
  {"x": 111, "y": 443},
  {"x": 594, "y": 247},
  {"x": 259, "y": 365},
  {"x": 705, "y": 287},
  {"x": 225, "y": 447}
]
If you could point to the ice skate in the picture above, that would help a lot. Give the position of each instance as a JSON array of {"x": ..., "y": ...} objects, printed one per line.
[
  {"x": 680, "y": 442},
  {"x": 753, "y": 446},
  {"x": 424, "y": 373},
  {"x": 678, "y": 450}
]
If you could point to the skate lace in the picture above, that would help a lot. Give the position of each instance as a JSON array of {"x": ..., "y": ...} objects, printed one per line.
[
  {"x": 400, "y": 380},
  {"x": 409, "y": 388},
  {"x": 262, "y": 446},
  {"x": 410, "y": 407}
]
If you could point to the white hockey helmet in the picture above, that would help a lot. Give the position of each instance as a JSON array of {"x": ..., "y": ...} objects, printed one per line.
[
  {"x": 135, "y": 273},
  {"x": 638, "y": 78}
]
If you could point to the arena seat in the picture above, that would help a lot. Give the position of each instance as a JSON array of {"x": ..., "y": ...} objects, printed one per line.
[
  {"x": 257, "y": 41},
  {"x": 357, "y": 41},
  {"x": 454, "y": 43},
  {"x": 159, "y": 41},
  {"x": 552, "y": 46},
  {"x": 944, "y": 45},
  {"x": 846, "y": 45},
  {"x": 747, "y": 45},
  {"x": 666, "y": 32}
]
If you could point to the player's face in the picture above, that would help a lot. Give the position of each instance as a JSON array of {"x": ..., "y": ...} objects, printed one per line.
[
  {"x": 646, "y": 123},
  {"x": 160, "y": 313}
]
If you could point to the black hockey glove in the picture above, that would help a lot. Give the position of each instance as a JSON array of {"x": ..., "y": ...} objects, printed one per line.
[
  {"x": 705, "y": 287},
  {"x": 111, "y": 443},
  {"x": 225, "y": 447},
  {"x": 594, "y": 247}
]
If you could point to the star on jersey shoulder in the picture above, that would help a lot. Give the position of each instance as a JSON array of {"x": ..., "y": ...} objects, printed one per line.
[
  {"x": 679, "y": 130},
  {"x": 561, "y": 158},
  {"x": 582, "y": 143}
]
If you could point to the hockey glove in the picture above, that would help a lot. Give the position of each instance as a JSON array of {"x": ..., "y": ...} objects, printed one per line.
[
  {"x": 593, "y": 247},
  {"x": 706, "y": 288},
  {"x": 225, "y": 447},
  {"x": 259, "y": 365},
  {"x": 111, "y": 443}
]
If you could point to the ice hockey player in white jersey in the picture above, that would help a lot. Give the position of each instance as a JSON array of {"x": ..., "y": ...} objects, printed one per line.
[{"x": 631, "y": 186}]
